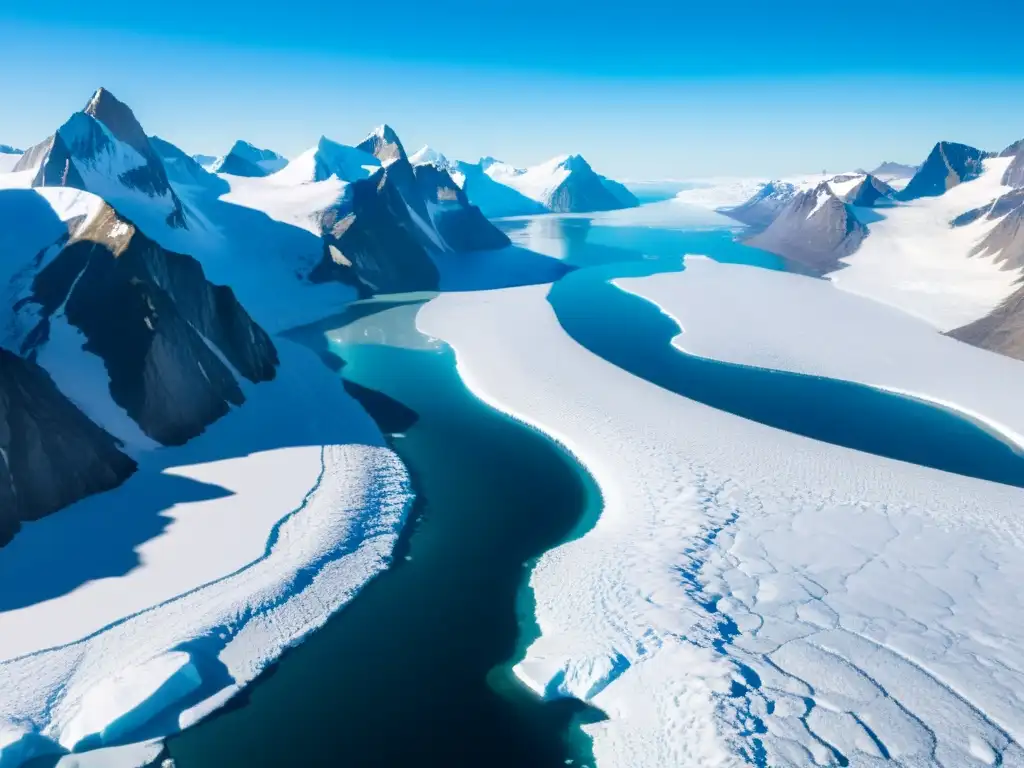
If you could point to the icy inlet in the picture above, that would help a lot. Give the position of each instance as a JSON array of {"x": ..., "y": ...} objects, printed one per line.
[{"x": 748, "y": 594}]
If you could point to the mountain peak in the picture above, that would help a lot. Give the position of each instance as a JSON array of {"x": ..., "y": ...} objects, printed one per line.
[
  {"x": 118, "y": 118},
  {"x": 573, "y": 163},
  {"x": 427, "y": 155},
  {"x": 384, "y": 144}
]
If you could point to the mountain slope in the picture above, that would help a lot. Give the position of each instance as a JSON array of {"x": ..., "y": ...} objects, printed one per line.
[
  {"x": 494, "y": 199},
  {"x": 244, "y": 159},
  {"x": 889, "y": 170},
  {"x": 170, "y": 342},
  {"x": 104, "y": 150},
  {"x": 184, "y": 170},
  {"x": 815, "y": 228},
  {"x": 1014, "y": 176},
  {"x": 947, "y": 165},
  {"x": 565, "y": 184},
  {"x": 51, "y": 454},
  {"x": 761, "y": 209}
]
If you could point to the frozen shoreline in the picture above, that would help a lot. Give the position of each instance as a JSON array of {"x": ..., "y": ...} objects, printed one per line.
[
  {"x": 712, "y": 611},
  {"x": 789, "y": 322},
  {"x": 281, "y": 516}
]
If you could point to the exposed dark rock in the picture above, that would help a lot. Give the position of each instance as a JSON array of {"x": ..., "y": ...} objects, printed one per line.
[
  {"x": 1000, "y": 331},
  {"x": 158, "y": 325},
  {"x": 871, "y": 192},
  {"x": 948, "y": 164},
  {"x": 1014, "y": 176},
  {"x": 461, "y": 225},
  {"x": 815, "y": 229},
  {"x": 104, "y": 134},
  {"x": 371, "y": 239},
  {"x": 383, "y": 144},
  {"x": 51, "y": 454},
  {"x": 584, "y": 190},
  {"x": 761, "y": 209}
]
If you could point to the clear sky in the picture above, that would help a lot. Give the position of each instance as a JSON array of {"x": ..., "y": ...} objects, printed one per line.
[{"x": 643, "y": 89}]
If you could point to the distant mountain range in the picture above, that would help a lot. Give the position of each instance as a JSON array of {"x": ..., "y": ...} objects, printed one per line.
[{"x": 820, "y": 226}]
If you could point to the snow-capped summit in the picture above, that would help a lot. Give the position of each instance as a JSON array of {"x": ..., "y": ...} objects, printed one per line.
[
  {"x": 429, "y": 156},
  {"x": 244, "y": 159},
  {"x": 564, "y": 184},
  {"x": 206, "y": 161},
  {"x": 104, "y": 150},
  {"x": 947, "y": 165},
  {"x": 383, "y": 143}
]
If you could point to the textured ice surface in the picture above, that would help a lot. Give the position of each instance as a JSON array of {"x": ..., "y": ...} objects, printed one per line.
[{"x": 747, "y": 592}]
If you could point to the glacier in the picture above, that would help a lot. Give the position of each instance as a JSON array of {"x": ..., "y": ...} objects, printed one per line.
[{"x": 746, "y": 594}]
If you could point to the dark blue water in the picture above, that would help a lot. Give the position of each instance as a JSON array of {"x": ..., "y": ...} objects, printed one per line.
[
  {"x": 414, "y": 671},
  {"x": 635, "y": 335}
]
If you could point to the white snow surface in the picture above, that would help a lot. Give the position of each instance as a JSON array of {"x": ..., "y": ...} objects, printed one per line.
[
  {"x": 217, "y": 554},
  {"x": 862, "y": 606},
  {"x": 914, "y": 260},
  {"x": 427, "y": 155},
  {"x": 537, "y": 182},
  {"x": 344, "y": 162},
  {"x": 730, "y": 191},
  {"x": 789, "y": 322}
]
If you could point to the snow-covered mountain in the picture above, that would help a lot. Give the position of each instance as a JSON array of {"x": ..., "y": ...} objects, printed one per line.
[
  {"x": 427, "y": 155},
  {"x": 947, "y": 165},
  {"x": 244, "y": 159},
  {"x": 815, "y": 228},
  {"x": 564, "y": 184},
  {"x": 206, "y": 161},
  {"x": 494, "y": 199},
  {"x": 185, "y": 171},
  {"x": 765, "y": 205},
  {"x": 104, "y": 150},
  {"x": 864, "y": 190}
]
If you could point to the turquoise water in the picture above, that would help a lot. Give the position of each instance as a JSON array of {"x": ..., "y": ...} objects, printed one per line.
[
  {"x": 414, "y": 671},
  {"x": 636, "y": 336}
]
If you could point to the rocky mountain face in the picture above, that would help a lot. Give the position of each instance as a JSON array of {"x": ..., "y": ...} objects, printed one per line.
[
  {"x": 1014, "y": 176},
  {"x": 584, "y": 190},
  {"x": 104, "y": 150},
  {"x": 762, "y": 209},
  {"x": 244, "y": 159},
  {"x": 815, "y": 229},
  {"x": 7, "y": 149},
  {"x": 459, "y": 223},
  {"x": 381, "y": 235},
  {"x": 870, "y": 192},
  {"x": 947, "y": 165},
  {"x": 1000, "y": 331},
  {"x": 383, "y": 143},
  {"x": 171, "y": 342},
  {"x": 51, "y": 454}
]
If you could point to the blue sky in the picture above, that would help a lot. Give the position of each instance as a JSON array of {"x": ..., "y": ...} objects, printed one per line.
[{"x": 643, "y": 90}]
